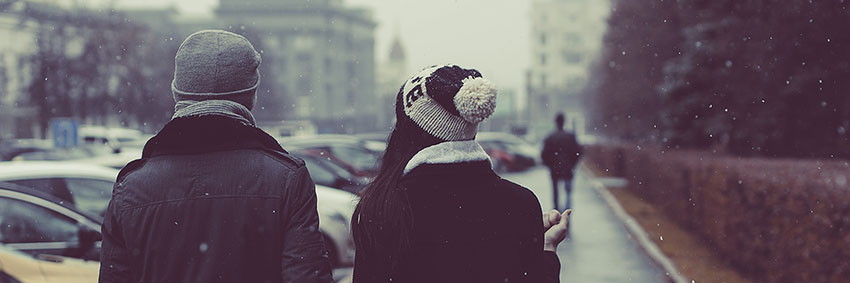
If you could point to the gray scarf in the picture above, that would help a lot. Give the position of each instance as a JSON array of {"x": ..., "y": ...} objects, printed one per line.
[{"x": 226, "y": 108}]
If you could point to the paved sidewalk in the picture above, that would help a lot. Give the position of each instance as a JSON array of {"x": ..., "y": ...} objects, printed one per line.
[{"x": 598, "y": 249}]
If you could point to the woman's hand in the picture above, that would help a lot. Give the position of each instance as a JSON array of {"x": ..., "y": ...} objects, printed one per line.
[{"x": 555, "y": 227}]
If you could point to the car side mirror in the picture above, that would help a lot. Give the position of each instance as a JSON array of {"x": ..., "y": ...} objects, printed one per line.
[
  {"x": 88, "y": 236},
  {"x": 87, "y": 239}
]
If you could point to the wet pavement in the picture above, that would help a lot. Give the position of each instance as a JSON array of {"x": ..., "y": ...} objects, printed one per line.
[{"x": 598, "y": 248}]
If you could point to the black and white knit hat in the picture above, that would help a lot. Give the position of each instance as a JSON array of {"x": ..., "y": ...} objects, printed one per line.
[{"x": 447, "y": 101}]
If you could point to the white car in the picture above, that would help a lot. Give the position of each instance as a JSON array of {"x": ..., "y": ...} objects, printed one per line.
[
  {"x": 113, "y": 137},
  {"x": 335, "y": 210},
  {"x": 88, "y": 188},
  {"x": 16, "y": 266}
]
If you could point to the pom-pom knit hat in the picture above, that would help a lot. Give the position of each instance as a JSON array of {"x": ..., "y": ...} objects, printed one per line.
[{"x": 446, "y": 101}]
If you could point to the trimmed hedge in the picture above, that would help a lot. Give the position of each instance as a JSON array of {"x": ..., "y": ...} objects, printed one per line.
[{"x": 775, "y": 220}]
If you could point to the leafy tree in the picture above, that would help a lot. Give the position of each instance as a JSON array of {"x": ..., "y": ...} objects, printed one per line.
[{"x": 100, "y": 68}]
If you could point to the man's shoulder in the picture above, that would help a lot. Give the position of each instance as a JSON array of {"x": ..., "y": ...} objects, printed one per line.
[
  {"x": 285, "y": 159},
  {"x": 274, "y": 159}
]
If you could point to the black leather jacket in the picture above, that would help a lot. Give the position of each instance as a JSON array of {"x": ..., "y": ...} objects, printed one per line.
[{"x": 213, "y": 200}]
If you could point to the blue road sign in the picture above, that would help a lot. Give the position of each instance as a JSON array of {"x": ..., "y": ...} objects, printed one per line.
[{"x": 64, "y": 132}]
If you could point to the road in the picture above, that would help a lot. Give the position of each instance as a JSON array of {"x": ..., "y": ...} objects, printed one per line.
[{"x": 598, "y": 248}]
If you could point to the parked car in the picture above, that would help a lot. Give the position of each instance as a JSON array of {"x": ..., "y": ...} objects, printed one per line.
[
  {"x": 335, "y": 210},
  {"x": 380, "y": 137},
  {"x": 112, "y": 137},
  {"x": 326, "y": 173},
  {"x": 359, "y": 157},
  {"x": 508, "y": 153},
  {"x": 113, "y": 160},
  {"x": 9, "y": 149},
  {"x": 86, "y": 190},
  {"x": 38, "y": 223},
  {"x": 84, "y": 186},
  {"x": 98, "y": 154},
  {"x": 19, "y": 267},
  {"x": 37, "y": 149}
]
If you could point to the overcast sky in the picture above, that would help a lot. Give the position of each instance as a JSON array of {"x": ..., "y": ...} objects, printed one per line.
[{"x": 489, "y": 35}]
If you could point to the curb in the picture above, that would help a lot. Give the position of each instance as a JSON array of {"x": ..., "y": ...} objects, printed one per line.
[{"x": 638, "y": 234}]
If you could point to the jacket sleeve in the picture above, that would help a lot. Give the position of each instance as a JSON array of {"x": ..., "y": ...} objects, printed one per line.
[
  {"x": 114, "y": 255},
  {"x": 542, "y": 266},
  {"x": 551, "y": 268},
  {"x": 303, "y": 257}
]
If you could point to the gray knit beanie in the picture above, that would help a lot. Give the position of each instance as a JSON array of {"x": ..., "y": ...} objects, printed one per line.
[
  {"x": 216, "y": 65},
  {"x": 447, "y": 101}
]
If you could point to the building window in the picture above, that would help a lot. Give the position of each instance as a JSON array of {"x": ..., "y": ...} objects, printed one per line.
[
  {"x": 573, "y": 38},
  {"x": 542, "y": 59},
  {"x": 328, "y": 65},
  {"x": 543, "y": 80},
  {"x": 351, "y": 69},
  {"x": 304, "y": 84},
  {"x": 542, "y": 39},
  {"x": 352, "y": 98},
  {"x": 572, "y": 57}
]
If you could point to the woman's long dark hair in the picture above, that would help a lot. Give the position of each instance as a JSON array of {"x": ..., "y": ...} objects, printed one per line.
[{"x": 382, "y": 223}]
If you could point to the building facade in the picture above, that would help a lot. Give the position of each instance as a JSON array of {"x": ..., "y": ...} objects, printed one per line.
[
  {"x": 18, "y": 44},
  {"x": 321, "y": 54},
  {"x": 392, "y": 73},
  {"x": 566, "y": 37}
]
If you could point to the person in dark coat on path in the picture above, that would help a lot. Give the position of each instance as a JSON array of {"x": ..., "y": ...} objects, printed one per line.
[
  {"x": 561, "y": 153},
  {"x": 213, "y": 198},
  {"x": 437, "y": 212}
]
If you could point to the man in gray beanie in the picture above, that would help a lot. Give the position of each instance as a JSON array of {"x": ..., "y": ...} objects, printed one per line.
[{"x": 213, "y": 198}]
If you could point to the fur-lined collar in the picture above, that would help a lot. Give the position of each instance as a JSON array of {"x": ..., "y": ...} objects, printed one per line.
[
  {"x": 208, "y": 133},
  {"x": 448, "y": 152}
]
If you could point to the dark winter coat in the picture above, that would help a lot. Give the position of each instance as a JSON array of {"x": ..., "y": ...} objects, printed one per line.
[
  {"x": 561, "y": 153},
  {"x": 213, "y": 200},
  {"x": 469, "y": 225}
]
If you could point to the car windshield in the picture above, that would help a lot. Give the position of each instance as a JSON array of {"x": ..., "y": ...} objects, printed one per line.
[{"x": 693, "y": 140}]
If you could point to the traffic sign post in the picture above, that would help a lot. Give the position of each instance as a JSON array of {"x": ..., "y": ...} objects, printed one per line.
[{"x": 64, "y": 131}]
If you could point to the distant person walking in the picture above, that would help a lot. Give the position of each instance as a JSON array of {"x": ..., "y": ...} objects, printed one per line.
[
  {"x": 214, "y": 198},
  {"x": 437, "y": 212},
  {"x": 561, "y": 153}
]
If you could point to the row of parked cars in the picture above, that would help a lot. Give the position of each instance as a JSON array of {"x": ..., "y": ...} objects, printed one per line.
[{"x": 51, "y": 211}]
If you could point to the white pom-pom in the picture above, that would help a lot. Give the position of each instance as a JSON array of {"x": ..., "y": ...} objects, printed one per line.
[{"x": 476, "y": 99}]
